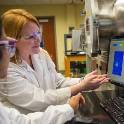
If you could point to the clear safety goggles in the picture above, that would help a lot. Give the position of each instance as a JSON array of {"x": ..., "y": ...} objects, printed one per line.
[
  {"x": 10, "y": 45},
  {"x": 33, "y": 36}
]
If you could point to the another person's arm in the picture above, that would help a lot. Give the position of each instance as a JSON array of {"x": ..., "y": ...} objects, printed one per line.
[{"x": 53, "y": 114}]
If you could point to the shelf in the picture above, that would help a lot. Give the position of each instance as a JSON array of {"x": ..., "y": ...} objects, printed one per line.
[{"x": 73, "y": 58}]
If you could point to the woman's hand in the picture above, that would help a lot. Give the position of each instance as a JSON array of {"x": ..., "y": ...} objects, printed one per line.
[
  {"x": 76, "y": 100},
  {"x": 90, "y": 82},
  {"x": 93, "y": 80}
]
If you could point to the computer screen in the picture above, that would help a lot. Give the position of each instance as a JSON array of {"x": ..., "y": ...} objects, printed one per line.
[{"x": 116, "y": 61}]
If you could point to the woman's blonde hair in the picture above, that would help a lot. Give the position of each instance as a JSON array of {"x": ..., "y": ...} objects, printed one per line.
[{"x": 13, "y": 21}]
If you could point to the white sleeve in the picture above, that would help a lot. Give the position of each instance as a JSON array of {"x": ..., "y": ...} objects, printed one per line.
[
  {"x": 60, "y": 79},
  {"x": 65, "y": 82},
  {"x": 53, "y": 115},
  {"x": 26, "y": 95},
  {"x": 4, "y": 118}
]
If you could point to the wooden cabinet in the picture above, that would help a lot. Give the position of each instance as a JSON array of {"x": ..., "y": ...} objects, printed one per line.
[{"x": 72, "y": 58}]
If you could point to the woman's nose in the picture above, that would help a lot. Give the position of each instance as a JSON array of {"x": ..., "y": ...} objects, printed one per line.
[{"x": 38, "y": 38}]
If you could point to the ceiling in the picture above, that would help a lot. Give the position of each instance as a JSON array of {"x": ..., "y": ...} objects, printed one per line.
[{"x": 29, "y": 2}]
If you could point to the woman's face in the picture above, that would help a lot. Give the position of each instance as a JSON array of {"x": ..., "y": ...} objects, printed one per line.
[{"x": 30, "y": 39}]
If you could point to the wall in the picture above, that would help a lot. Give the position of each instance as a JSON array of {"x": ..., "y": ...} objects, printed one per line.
[{"x": 65, "y": 16}]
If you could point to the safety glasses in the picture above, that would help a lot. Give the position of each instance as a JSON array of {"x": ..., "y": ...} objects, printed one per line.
[
  {"x": 33, "y": 36},
  {"x": 10, "y": 45}
]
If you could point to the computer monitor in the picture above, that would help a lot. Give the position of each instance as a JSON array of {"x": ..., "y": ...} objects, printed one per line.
[{"x": 116, "y": 61}]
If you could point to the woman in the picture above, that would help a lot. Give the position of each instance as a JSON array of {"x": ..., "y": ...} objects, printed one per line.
[
  {"x": 34, "y": 83},
  {"x": 53, "y": 115}
]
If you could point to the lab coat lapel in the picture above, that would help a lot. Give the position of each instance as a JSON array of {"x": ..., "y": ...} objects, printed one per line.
[
  {"x": 38, "y": 68},
  {"x": 43, "y": 71},
  {"x": 29, "y": 73}
]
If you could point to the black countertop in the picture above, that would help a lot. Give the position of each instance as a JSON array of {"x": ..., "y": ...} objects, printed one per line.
[{"x": 91, "y": 112}]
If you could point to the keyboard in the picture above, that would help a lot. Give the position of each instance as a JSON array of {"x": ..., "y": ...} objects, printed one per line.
[{"x": 115, "y": 108}]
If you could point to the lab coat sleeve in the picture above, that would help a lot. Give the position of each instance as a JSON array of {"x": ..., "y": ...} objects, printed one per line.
[
  {"x": 53, "y": 115},
  {"x": 60, "y": 79},
  {"x": 4, "y": 118},
  {"x": 65, "y": 82},
  {"x": 26, "y": 95}
]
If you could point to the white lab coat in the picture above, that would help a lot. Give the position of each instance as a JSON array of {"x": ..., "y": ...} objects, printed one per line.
[
  {"x": 34, "y": 90},
  {"x": 53, "y": 115}
]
